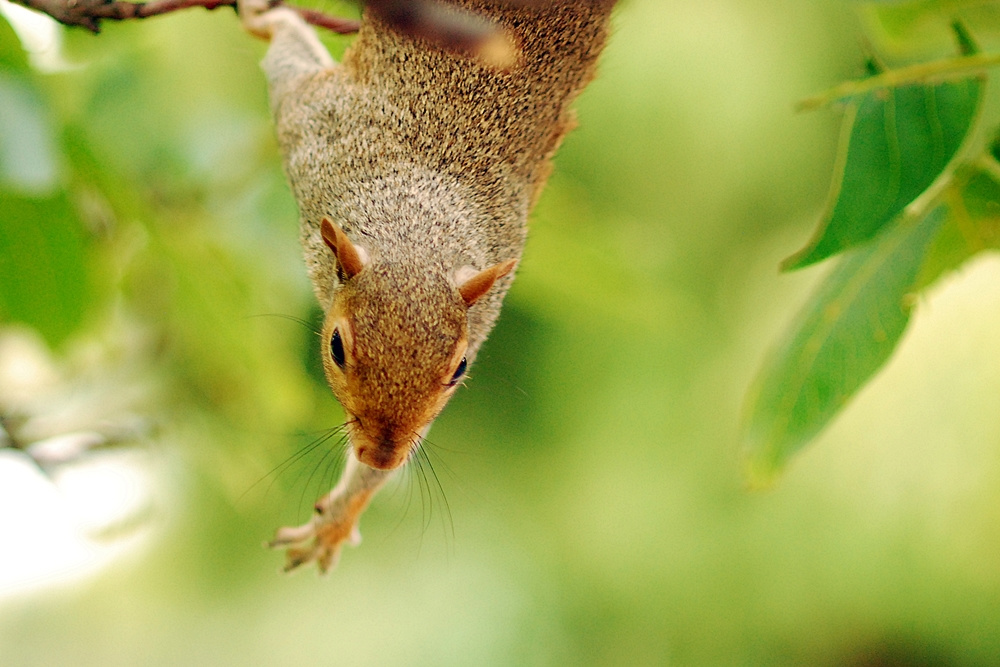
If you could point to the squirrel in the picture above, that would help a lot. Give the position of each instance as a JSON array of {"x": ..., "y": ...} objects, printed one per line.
[{"x": 415, "y": 169}]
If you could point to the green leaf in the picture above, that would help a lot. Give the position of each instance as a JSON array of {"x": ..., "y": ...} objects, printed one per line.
[
  {"x": 28, "y": 152},
  {"x": 896, "y": 143},
  {"x": 909, "y": 25},
  {"x": 43, "y": 276},
  {"x": 12, "y": 56},
  {"x": 981, "y": 214},
  {"x": 967, "y": 45},
  {"x": 841, "y": 339},
  {"x": 972, "y": 225}
]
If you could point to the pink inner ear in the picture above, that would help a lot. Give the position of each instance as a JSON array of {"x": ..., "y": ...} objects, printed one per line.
[
  {"x": 350, "y": 260},
  {"x": 478, "y": 285}
]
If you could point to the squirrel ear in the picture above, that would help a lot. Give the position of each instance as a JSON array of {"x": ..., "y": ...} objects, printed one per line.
[
  {"x": 350, "y": 257},
  {"x": 475, "y": 287}
]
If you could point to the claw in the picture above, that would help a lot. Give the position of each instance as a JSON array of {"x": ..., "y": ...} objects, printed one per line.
[
  {"x": 328, "y": 559},
  {"x": 319, "y": 540},
  {"x": 292, "y": 535},
  {"x": 335, "y": 522},
  {"x": 296, "y": 557}
]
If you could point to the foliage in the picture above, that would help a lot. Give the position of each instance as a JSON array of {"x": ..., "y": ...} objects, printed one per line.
[
  {"x": 590, "y": 508},
  {"x": 45, "y": 258},
  {"x": 914, "y": 197}
]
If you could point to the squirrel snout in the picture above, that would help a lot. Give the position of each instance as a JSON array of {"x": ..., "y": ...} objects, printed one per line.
[
  {"x": 381, "y": 458},
  {"x": 384, "y": 452}
]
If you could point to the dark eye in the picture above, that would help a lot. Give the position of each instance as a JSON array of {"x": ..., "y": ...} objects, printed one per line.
[
  {"x": 459, "y": 372},
  {"x": 337, "y": 349}
]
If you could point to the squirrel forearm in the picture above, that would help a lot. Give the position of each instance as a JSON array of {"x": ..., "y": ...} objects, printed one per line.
[{"x": 336, "y": 519}]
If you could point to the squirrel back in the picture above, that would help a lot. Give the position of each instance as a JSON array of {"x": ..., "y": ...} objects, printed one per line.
[{"x": 406, "y": 134}]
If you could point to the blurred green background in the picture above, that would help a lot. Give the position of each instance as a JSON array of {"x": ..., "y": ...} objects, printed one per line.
[{"x": 586, "y": 503}]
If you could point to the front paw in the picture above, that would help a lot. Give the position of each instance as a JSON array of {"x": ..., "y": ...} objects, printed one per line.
[{"x": 319, "y": 540}]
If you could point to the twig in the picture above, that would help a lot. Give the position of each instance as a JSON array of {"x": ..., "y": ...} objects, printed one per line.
[
  {"x": 905, "y": 76},
  {"x": 336, "y": 24},
  {"x": 89, "y": 13},
  {"x": 453, "y": 28}
]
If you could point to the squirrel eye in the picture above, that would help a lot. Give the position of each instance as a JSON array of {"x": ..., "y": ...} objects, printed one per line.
[
  {"x": 337, "y": 349},
  {"x": 459, "y": 372}
]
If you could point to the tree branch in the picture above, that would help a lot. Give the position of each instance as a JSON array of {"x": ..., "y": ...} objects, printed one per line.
[
  {"x": 89, "y": 13},
  {"x": 921, "y": 73},
  {"x": 451, "y": 27}
]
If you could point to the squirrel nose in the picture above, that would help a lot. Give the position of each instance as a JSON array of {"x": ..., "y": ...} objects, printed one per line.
[
  {"x": 387, "y": 447},
  {"x": 380, "y": 457},
  {"x": 387, "y": 441},
  {"x": 384, "y": 451}
]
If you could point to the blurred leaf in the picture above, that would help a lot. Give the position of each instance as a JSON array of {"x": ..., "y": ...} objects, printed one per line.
[
  {"x": 972, "y": 225},
  {"x": 43, "y": 277},
  {"x": 28, "y": 160},
  {"x": 844, "y": 336},
  {"x": 87, "y": 173},
  {"x": 12, "y": 56},
  {"x": 967, "y": 45},
  {"x": 900, "y": 16},
  {"x": 896, "y": 143},
  {"x": 27, "y": 148},
  {"x": 912, "y": 22}
]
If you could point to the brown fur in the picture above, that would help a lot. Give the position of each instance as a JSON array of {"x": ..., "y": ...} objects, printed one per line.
[
  {"x": 427, "y": 158},
  {"x": 429, "y": 162}
]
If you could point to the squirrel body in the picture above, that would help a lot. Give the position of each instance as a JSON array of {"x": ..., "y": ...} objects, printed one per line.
[{"x": 414, "y": 169}]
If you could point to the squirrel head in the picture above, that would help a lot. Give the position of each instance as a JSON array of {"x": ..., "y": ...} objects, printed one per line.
[{"x": 394, "y": 345}]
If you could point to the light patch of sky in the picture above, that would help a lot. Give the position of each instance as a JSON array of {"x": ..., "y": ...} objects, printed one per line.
[
  {"x": 58, "y": 529},
  {"x": 72, "y": 501}
]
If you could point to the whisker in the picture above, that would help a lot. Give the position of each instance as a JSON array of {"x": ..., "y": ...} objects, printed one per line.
[
  {"x": 450, "y": 525},
  {"x": 408, "y": 471},
  {"x": 440, "y": 464},
  {"x": 292, "y": 318},
  {"x": 276, "y": 471},
  {"x": 513, "y": 385},
  {"x": 426, "y": 499},
  {"x": 334, "y": 466},
  {"x": 444, "y": 449},
  {"x": 305, "y": 487},
  {"x": 331, "y": 461},
  {"x": 504, "y": 373}
]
